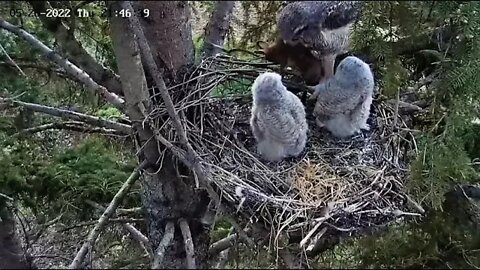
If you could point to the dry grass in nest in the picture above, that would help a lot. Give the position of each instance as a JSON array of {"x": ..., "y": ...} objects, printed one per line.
[{"x": 317, "y": 183}]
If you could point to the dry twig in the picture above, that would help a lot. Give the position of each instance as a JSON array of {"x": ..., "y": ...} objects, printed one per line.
[
  {"x": 12, "y": 62},
  {"x": 134, "y": 232}
]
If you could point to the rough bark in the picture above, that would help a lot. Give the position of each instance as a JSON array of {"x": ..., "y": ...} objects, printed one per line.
[
  {"x": 217, "y": 27},
  {"x": 11, "y": 253},
  {"x": 74, "y": 50},
  {"x": 169, "y": 34},
  {"x": 167, "y": 196}
]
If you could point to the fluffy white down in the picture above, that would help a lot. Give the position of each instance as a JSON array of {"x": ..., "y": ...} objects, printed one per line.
[
  {"x": 278, "y": 119},
  {"x": 344, "y": 101}
]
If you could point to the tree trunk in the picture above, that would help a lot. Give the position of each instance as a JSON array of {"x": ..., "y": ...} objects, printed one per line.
[
  {"x": 169, "y": 34},
  {"x": 11, "y": 253},
  {"x": 167, "y": 196},
  {"x": 217, "y": 27}
]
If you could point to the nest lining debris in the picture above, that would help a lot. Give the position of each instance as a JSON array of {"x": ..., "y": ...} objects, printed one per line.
[{"x": 346, "y": 184}]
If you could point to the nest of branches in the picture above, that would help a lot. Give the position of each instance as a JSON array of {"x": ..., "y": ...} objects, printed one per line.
[{"x": 344, "y": 185}]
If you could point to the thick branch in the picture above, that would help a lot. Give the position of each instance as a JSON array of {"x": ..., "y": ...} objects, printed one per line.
[
  {"x": 78, "y": 55},
  {"x": 188, "y": 242},
  {"x": 164, "y": 243},
  {"x": 92, "y": 237},
  {"x": 223, "y": 244},
  {"x": 217, "y": 27},
  {"x": 92, "y": 120},
  {"x": 72, "y": 69}
]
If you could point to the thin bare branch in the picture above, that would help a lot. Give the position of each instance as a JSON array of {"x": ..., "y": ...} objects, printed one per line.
[
  {"x": 69, "y": 125},
  {"x": 33, "y": 65},
  {"x": 164, "y": 243},
  {"x": 66, "y": 114},
  {"x": 11, "y": 61},
  {"x": 404, "y": 107},
  {"x": 92, "y": 237},
  {"x": 134, "y": 232},
  {"x": 188, "y": 241},
  {"x": 94, "y": 222},
  {"x": 140, "y": 237},
  {"x": 72, "y": 69},
  {"x": 129, "y": 211}
]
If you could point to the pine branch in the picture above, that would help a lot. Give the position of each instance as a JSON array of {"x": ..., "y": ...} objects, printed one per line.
[
  {"x": 69, "y": 125},
  {"x": 92, "y": 120},
  {"x": 74, "y": 49},
  {"x": 71, "y": 69}
]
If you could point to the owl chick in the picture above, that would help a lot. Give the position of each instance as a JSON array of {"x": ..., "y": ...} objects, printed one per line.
[
  {"x": 322, "y": 26},
  {"x": 278, "y": 119},
  {"x": 343, "y": 102}
]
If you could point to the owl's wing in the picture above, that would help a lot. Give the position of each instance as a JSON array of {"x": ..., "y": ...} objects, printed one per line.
[
  {"x": 278, "y": 124},
  {"x": 334, "y": 100}
]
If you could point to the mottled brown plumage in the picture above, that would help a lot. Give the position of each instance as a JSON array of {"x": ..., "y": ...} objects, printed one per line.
[{"x": 323, "y": 26}]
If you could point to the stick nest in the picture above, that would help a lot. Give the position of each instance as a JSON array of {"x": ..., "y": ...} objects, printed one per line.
[{"x": 342, "y": 184}]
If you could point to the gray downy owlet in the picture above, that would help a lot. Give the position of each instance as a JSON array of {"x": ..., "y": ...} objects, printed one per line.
[
  {"x": 278, "y": 119},
  {"x": 343, "y": 102}
]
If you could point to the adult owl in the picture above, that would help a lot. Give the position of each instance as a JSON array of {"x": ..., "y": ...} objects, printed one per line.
[{"x": 322, "y": 26}]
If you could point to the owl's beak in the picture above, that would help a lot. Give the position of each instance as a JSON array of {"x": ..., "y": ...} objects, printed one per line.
[{"x": 328, "y": 66}]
